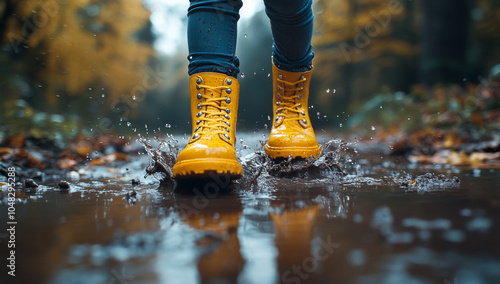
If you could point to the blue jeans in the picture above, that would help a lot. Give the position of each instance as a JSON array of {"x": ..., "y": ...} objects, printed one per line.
[{"x": 212, "y": 35}]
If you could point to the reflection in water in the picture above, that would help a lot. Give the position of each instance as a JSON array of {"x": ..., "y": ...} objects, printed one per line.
[{"x": 289, "y": 230}]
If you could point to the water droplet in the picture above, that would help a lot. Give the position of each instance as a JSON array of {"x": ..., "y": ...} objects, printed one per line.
[
  {"x": 265, "y": 126},
  {"x": 373, "y": 128},
  {"x": 128, "y": 123},
  {"x": 241, "y": 140},
  {"x": 190, "y": 57},
  {"x": 245, "y": 35},
  {"x": 242, "y": 75},
  {"x": 90, "y": 89},
  {"x": 334, "y": 91},
  {"x": 264, "y": 136},
  {"x": 103, "y": 95},
  {"x": 380, "y": 106},
  {"x": 341, "y": 125},
  {"x": 168, "y": 125},
  {"x": 327, "y": 91},
  {"x": 268, "y": 118},
  {"x": 409, "y": 118},
  {"x": 268, "y": 75},
  {"x": 134, "y": 98}
]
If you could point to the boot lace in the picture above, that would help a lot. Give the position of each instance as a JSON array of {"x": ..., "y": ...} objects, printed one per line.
[
  {"x": 212, "y": 116},
  {"x": 288, "y": 107}
]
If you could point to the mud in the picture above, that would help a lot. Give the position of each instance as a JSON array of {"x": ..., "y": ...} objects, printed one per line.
[{"x": 352, "y": 215}]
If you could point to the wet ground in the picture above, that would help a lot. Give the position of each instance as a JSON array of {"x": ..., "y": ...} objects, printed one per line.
[{"x": 374, "y": 219}]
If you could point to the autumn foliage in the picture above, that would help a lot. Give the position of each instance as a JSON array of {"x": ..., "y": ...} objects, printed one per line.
[{"x": 69, "y": 47}]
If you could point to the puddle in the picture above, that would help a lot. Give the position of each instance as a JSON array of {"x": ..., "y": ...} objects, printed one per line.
[{"x": 348, "y": 216}]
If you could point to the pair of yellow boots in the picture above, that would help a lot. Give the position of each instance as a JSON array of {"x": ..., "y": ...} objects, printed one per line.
[{"x": 214, "y": 106}]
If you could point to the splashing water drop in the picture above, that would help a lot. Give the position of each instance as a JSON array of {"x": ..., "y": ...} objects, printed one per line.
[
  {"x": 373, "y": 128},
  {"x": 242, "y": 75},
  {"x": 129, "y": 123},
  {"x": 327, "y": 91},
  {"x": 168, "y": 125}
]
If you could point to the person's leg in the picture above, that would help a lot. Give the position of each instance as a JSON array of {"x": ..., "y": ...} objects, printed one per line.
[
  {"x": 212, "y": 36},
  {"x": 214, "y": 91},
  {"x": 292, "y": 26}
]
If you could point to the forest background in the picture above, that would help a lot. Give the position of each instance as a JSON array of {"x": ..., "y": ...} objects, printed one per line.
[{"x": 96, "y": 67}]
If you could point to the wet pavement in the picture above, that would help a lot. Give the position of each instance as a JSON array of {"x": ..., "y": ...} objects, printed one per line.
[{"x": 382, "y": 220}]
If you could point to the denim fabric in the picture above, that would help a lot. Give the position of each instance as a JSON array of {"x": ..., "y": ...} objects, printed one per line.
[{"x": 212, "y": 35}]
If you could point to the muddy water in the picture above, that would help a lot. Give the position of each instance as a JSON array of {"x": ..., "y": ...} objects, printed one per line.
[{"x": 381, "y": 220}]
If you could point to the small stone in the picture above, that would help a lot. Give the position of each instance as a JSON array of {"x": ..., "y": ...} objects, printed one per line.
[
  {"x": 64, "y": 185},
  {"x": 136, "y": 181},
  {"x": 130, "y": 195},
  {"x": 30, "y": 183}
]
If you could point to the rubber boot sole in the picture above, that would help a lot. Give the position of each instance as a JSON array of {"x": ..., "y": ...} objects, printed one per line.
[
  {"x": 206, "y": 168},
  {"x": 296, "y": 152}
]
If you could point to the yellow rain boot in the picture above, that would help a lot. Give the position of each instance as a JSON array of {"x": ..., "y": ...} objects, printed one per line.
[
  {"x": 214, "y": 106},
  {"x": 292, "y": 132}
]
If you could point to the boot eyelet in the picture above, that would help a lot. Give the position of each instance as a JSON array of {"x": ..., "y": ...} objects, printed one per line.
[
  {"x": 196, "y": 136},
  {"x": 299, "y": 97},
  {"x": 198, "y": 114},
  {"x": 228, "y": 124},
  {"x": 228, "y": 90},
  {"x": 279, "y": 88},
  {"x": 198, "y": 122},
  {"x": 227, "y": 136},
  {"x": 300, "y": 104},
  {"x": 198, "y": 88},
  {"x": 304, "y": 121},
  {"x": 228, "y": 100},
  {"x": 227, "y": 130},
  {"x": 301, "y": 88},
  {"x": 228, "y": 110},
  {"x": 227, "y": 116},
  {"x": 196, "y": 129},
  {"x": 199, "y": 96},
  {"x": 277, "y": 119},
  {"x": 277, "y": 103},
  {"x": 198, "y": 81},
  {"x": 303, "y": 113},
  {"x": 280, "y": 76},
  {"x": 277, "y": 111},
  {"x": 229, "y": 81},
  {"x": 301, "y": 77},
  {"x": 199, "y": 106}
]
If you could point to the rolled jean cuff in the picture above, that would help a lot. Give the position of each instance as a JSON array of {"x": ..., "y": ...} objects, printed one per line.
[
  {"x": 302, "y": 65},
  {"x": 212, "y": 63}
]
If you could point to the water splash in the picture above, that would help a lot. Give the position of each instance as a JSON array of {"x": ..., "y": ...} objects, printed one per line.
[{"x": 162, "y": 158}]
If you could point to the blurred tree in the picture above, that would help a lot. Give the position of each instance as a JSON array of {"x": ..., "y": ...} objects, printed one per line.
[
  {"x": 362, "y": 46},
  {"x": 78, "y": 47},
  {"x": 443, "y": 35}
]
